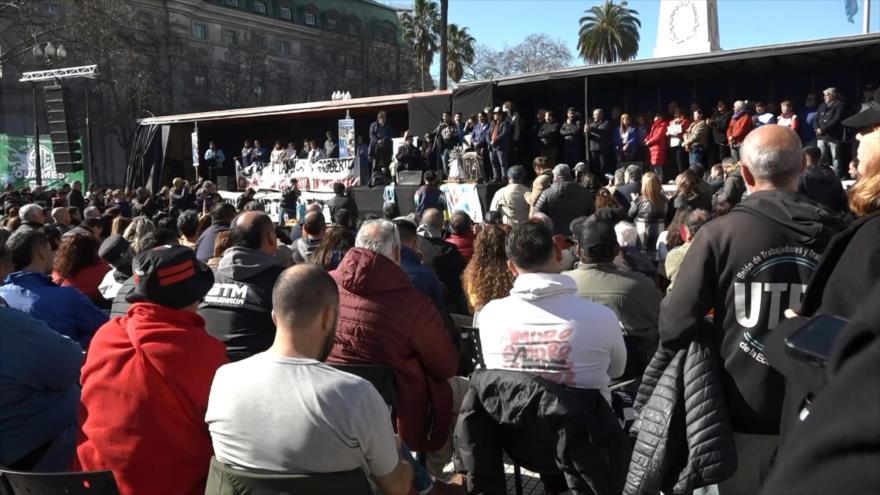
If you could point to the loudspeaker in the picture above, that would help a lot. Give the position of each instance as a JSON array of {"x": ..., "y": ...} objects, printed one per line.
[
  {"x": 65, "y": 143},
  {"x": 409, "y": 178}
]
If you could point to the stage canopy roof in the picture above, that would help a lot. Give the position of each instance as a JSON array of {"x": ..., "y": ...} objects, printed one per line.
[
  {"x": 387, "y": 102},
  {"x": 857, "y": 48}
]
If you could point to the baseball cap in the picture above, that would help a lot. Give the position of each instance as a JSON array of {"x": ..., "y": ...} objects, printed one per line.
[
  {"x": 593, "y": 234},
  {"x": 170, "y": 276}
]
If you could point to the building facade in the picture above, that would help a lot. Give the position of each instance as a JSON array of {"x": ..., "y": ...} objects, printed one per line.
[{"x": 199, "y": 55}]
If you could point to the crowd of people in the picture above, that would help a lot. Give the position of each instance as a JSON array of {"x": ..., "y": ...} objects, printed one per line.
[{"x": 146, "y": 333}]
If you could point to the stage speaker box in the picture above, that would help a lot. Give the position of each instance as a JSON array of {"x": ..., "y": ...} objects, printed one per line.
[
  {"x": 66, "y": 147},
  {"x": 409, "y": 178},
  {"x": 227, "y": 183}
]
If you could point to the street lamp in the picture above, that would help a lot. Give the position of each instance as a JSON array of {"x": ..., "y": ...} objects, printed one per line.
[{"x": 48, "y": 52}]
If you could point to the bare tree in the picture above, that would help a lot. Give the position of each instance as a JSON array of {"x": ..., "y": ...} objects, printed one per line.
[{"x": 538, "y": 52}]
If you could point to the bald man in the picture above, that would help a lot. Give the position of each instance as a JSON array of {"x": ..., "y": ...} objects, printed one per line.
[
  {"x": 746, "y": 268},
  {"x": 313, "y": 229},
  {"x": 237, "y": 310},
  {"x": 286, "y": 411}
]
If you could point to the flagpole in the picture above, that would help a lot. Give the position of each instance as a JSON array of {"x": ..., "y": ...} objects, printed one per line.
[{"x": 866, "y": 17}]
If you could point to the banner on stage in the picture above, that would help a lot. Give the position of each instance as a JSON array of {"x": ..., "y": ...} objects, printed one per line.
[
  {"x": 195, "y": 148},
  {"x": 464, "y": 197},
  {"x": 318, "y": 176},
  {"x": 346, "y": 138}
]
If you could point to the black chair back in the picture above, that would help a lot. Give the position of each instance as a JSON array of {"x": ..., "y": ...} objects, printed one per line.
[
  {"x": 88, "y": 483},
  {"x": 380, "y": 375},
  {"x": 227, "y": 480},
  {"x": 470, "y": 350}
]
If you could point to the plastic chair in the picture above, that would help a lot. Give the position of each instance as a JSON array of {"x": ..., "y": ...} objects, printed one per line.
[
  {"x": 380, "y": 375},
  {"x": 228, "y": 480},
  {"x": 87, "y": 483}
]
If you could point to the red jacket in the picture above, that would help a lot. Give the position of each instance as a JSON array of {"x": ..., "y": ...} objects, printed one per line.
[
  {"x": 86, "y": 280},
  {"x": 657, "y": 142},
  {"x": 464, "y": 243},
  {"x": 739, "y": 128},
  {"x": 383, "y": 319},
  {"x": 145, "y": 386}
]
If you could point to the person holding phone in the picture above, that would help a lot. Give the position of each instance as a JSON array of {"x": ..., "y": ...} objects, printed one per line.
[{"x": 849, "y": 269}]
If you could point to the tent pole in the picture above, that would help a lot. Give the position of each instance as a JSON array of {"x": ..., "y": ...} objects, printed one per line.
[{"x": 587, "y": 119}]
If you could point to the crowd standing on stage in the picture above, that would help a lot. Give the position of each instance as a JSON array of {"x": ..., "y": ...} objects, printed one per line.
[{"x": 145, "y": 332}]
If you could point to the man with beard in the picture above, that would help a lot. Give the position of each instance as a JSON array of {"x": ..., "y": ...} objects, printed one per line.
[{"x": 330, "y": 421}]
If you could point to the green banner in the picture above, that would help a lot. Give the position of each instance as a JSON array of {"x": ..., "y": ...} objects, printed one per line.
[{"x": 17, "y": 159}]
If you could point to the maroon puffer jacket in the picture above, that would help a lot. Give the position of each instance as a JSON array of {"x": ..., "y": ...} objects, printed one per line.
[{"x": 383, "y": 319}]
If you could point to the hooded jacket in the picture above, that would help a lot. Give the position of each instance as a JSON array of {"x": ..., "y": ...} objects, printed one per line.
[
  {"x": 238, "y": 308},
  {"x": 145, "y": 387},
  {"x": 746, "y": 268},
  {"x": 65, "y": 309},
  {"x": 546, "y": 329},
  {"x": 383, "y": 319}
]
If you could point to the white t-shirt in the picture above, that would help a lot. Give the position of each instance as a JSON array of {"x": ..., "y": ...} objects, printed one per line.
[
  {"x": 546, "y": 329},
  {"x": 298, "y": 416}
]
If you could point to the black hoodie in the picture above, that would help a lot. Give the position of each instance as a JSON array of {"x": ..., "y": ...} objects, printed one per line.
[{"x": 745, "y": 269}]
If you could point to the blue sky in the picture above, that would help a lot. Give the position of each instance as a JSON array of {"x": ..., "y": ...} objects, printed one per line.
[{"x": 742, "y": 23}]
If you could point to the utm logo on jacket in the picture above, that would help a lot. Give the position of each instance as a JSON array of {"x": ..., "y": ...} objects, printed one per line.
[{"x": 227, "y": 294}]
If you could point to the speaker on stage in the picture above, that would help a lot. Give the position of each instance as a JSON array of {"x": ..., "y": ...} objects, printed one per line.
[
  {"x": 409, "y": 178},
  {"x": 66, "y": 147}
]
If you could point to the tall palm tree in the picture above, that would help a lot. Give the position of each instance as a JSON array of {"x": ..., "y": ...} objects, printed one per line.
[
  {"x": 609, "y": 33},
  {"x": 460, "y": 48},
  {"x": 420, "y": 28}
]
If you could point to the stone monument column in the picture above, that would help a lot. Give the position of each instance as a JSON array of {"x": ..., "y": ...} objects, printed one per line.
[{"x": 687, "y": 27}]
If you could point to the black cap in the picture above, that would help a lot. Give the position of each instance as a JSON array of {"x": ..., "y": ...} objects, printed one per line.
[
  {"x": 114, "y": 248},
  {"x": 869, "y": 117},
  {"x": 593, "y": 234},
  {"x": 170, "y": 276}
]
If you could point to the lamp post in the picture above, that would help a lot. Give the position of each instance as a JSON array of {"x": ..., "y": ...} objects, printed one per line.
[{"x": 42, "y": 55}]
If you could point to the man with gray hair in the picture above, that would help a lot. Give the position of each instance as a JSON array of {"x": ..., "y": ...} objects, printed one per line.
[
  {"x": 747, "y": 267},
  {"x": 32, "y": 217},
  {"x": 564, "y": 201},
  {"x": 91, "y": 212},
  {"x": 632, "y": 185},
  {"x": 384, "y": 319},
  {"x": 829, "y": 131},
  {"x": 740, "y": 126}
]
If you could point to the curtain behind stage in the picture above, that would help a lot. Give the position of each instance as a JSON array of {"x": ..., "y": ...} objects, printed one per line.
[
  {"x": 425, "y": 113},
  {"x": 146, "y": 157},
  {"x": 472, "y": 99}
]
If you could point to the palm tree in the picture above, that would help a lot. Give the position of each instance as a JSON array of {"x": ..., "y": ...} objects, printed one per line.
[
  {"x": 609, "y": 33},
  {"x": 420, "y": 28},
  {"x": 460, "y": 46}
]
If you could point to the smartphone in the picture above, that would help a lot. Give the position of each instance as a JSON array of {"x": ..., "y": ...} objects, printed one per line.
[{"x": 813, "y": 341}]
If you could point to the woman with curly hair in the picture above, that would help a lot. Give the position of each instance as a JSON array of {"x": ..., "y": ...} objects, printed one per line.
[
  {"x": 486, "y": 276},
  {"x": 77, "y": 265}
]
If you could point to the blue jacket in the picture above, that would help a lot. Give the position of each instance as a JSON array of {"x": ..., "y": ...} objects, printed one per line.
[
  {"x": 39, "y": 384},
  {"x": 422, "y": 277},
  {"x": 65, "y": 309}
]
